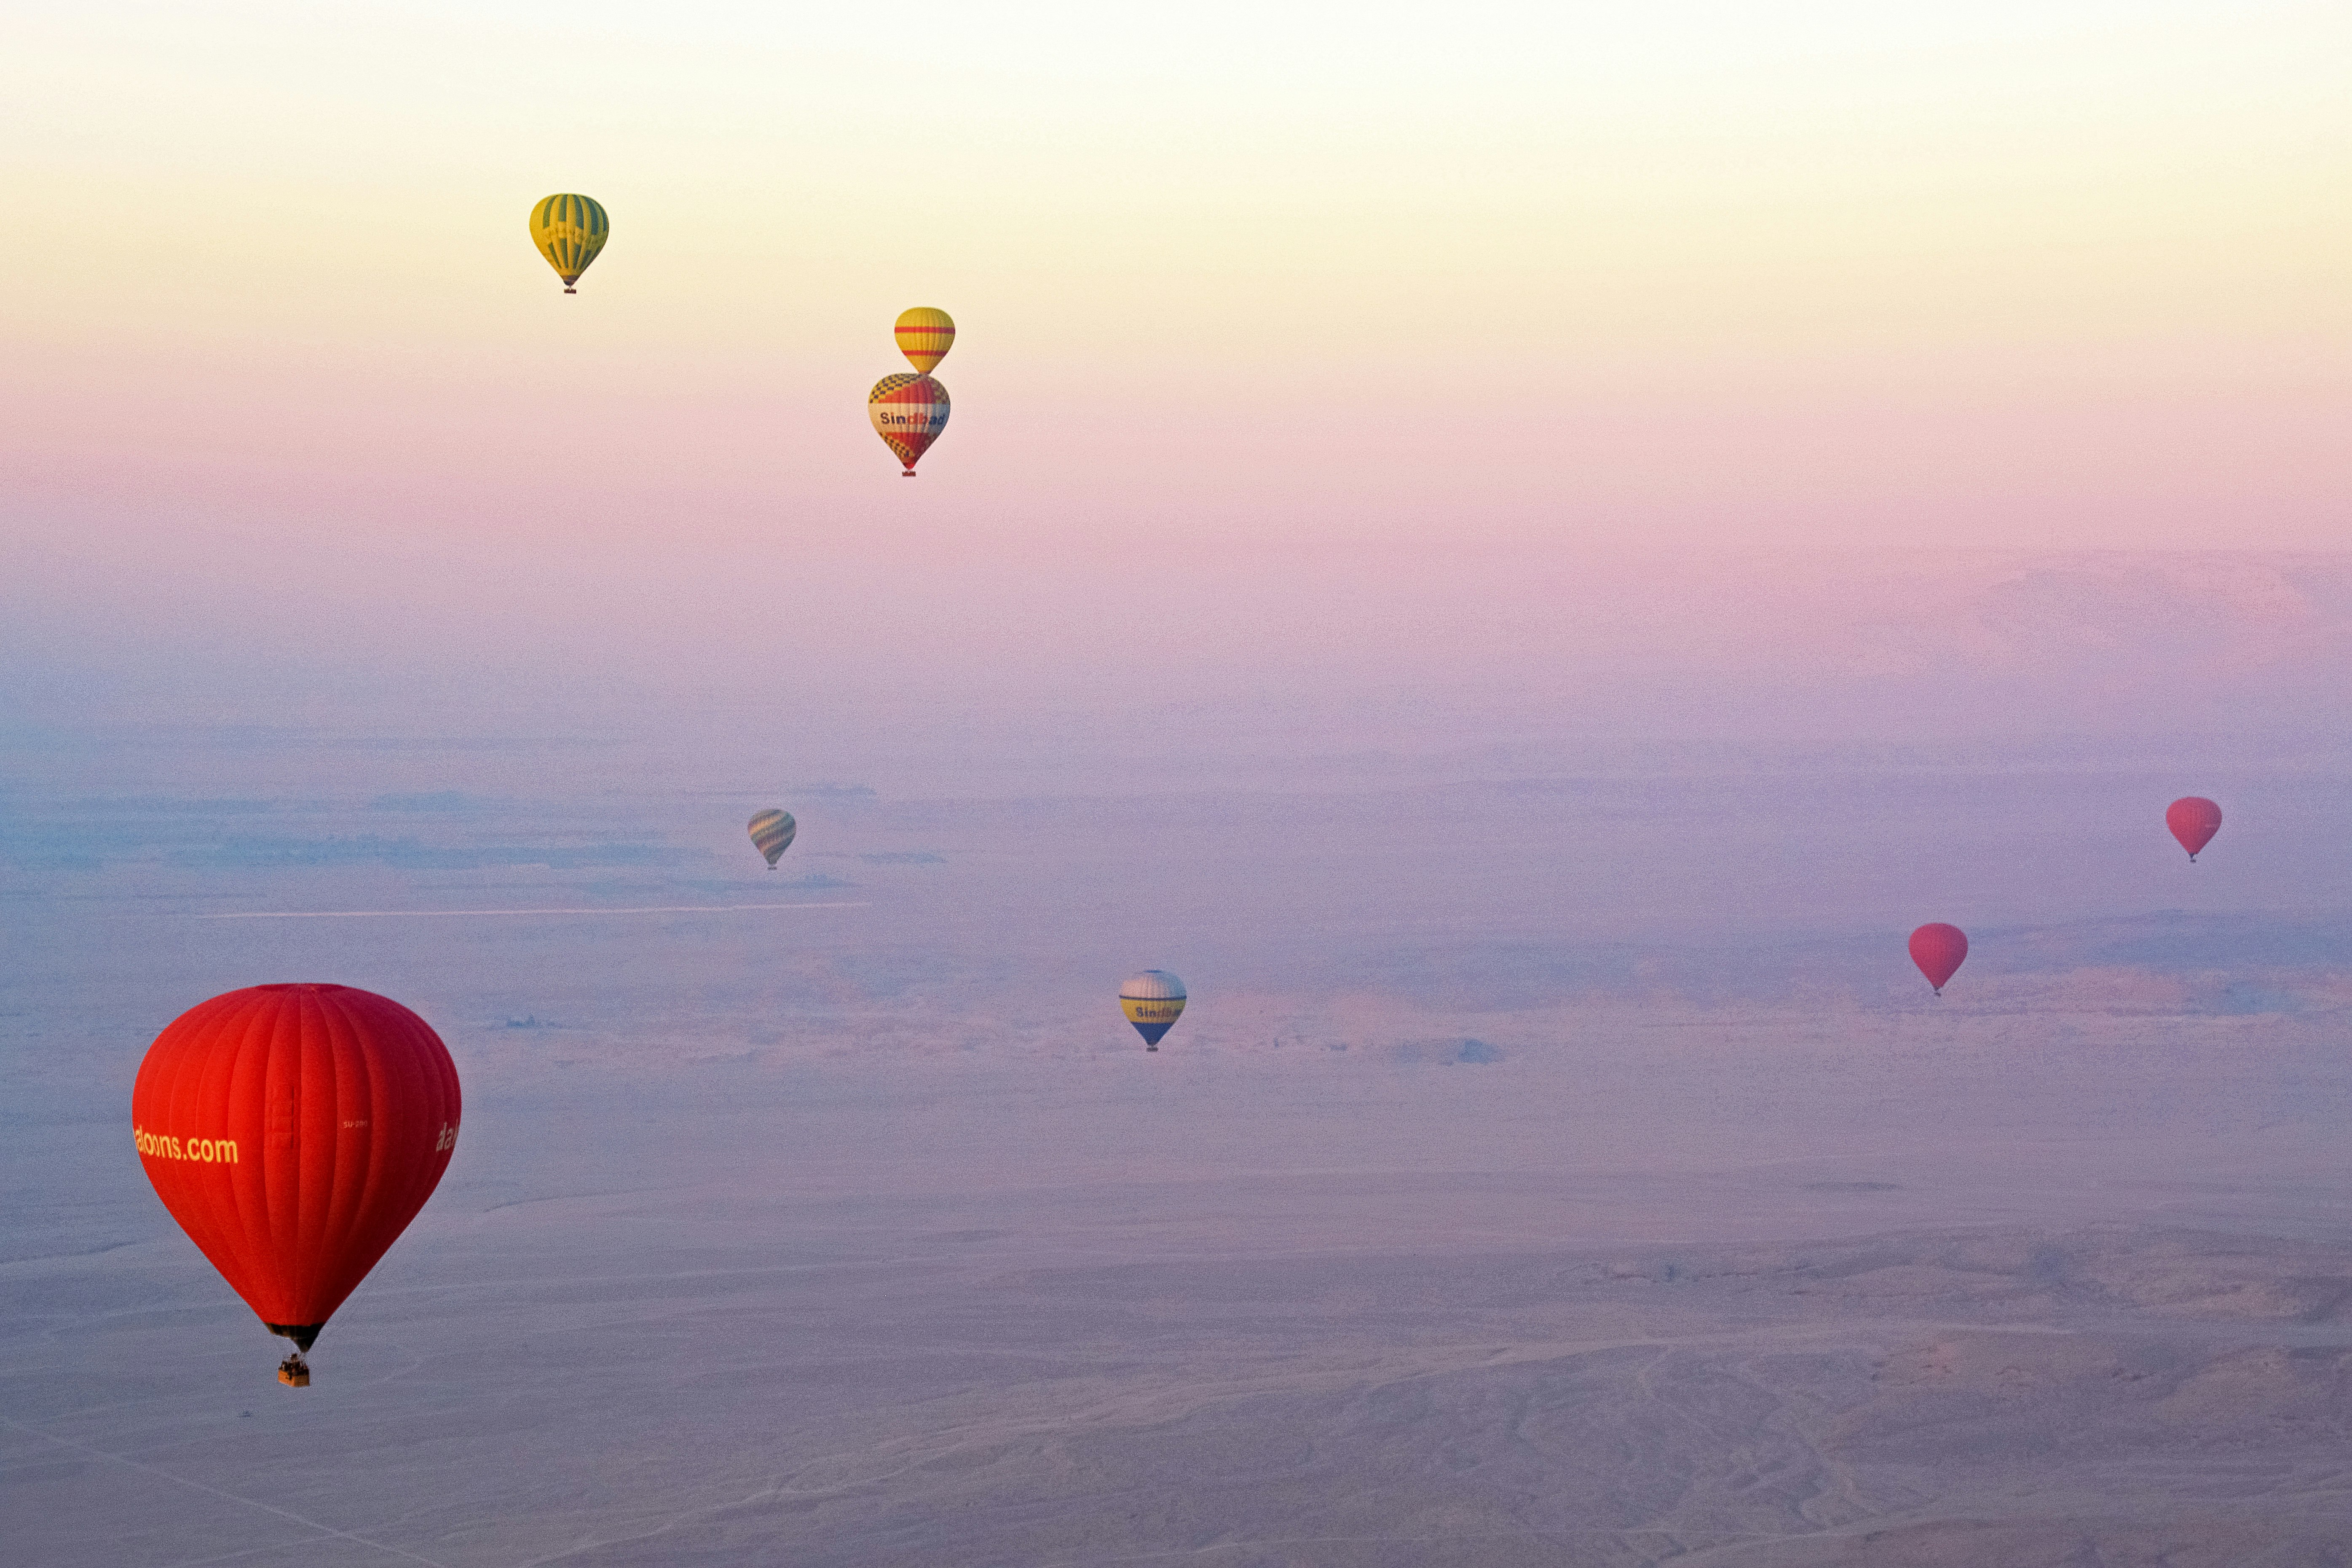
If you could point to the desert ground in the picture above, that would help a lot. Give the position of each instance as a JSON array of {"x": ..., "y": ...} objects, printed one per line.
[{"x": 1485, "y": 1208}]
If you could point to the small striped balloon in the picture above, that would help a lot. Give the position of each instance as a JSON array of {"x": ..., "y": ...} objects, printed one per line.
[
  {"x": 925, "y": 335},
  {"x": 772, "y": 833},
  {"x": 569, "y": 231},
  {"x": 908, "y": 413}
]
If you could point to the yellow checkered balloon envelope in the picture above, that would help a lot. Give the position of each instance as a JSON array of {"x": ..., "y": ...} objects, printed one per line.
[{"x": 908, "y": 413}]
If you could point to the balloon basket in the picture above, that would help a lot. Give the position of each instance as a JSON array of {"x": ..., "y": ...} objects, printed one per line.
[
  {"x": 1151, "y": 1047},
  {"x": 294, "y": 1377}
]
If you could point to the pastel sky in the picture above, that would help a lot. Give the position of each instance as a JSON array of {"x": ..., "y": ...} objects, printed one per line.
[{"x": 1241, "y": 283}]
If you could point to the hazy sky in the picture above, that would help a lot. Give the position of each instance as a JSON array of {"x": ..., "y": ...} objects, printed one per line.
[{"x": 1272, "y": 318}]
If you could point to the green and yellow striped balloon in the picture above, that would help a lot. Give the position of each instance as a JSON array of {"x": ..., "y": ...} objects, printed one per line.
[
  {"x": 569, "y": 231},
  {"x": 771, "y": 835}
]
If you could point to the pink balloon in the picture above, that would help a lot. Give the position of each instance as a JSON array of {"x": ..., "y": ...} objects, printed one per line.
[
  {"x": 2193, "y": 820},
  {"x": 1938, "y": 950}
]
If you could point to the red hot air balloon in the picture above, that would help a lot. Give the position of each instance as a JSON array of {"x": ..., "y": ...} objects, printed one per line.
[
  {"x": 294, "y": 1131},
  {"x": 2193, "y": 820},
  {"x": 1938, "y": 948}
]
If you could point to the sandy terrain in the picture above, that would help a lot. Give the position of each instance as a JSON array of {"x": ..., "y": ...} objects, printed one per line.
[
  {"x": 726, "y": 1385},
  {"x": 1481, "y": 1212}
]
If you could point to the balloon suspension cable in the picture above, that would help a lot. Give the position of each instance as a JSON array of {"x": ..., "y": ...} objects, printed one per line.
[{"x": 1939, "y": 991}]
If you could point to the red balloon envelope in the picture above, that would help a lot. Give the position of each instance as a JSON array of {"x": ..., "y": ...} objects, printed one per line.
[
  {"x": 1938, "y": 950},
  {"x": 294, "y": 1131},
  {"x": 2193, "y": 820}
]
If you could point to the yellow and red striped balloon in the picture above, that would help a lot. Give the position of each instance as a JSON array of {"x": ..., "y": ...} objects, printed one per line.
[
  {"x": 925, "y": 335},
  {"x": 908, "y": 413}
]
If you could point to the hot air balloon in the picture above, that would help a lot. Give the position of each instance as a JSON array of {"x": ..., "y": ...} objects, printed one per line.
[
  {"x": 771, "y": 835},
  {"x": 1152, "y": 1000},
  {"x": 2193, "y": 820},
  {"x": 569, "y": 231},
  {"x": 1938, "y": 948},
  {"x": 294, "y": 1131},
  {"x": 908, "y": 413},
  {"x": 925, "y": 335}
]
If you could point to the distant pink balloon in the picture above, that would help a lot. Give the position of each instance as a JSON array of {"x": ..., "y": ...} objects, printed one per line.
[
  {"x": 2193, "y": 820},
  {"x": 1938, "y": 948}
]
